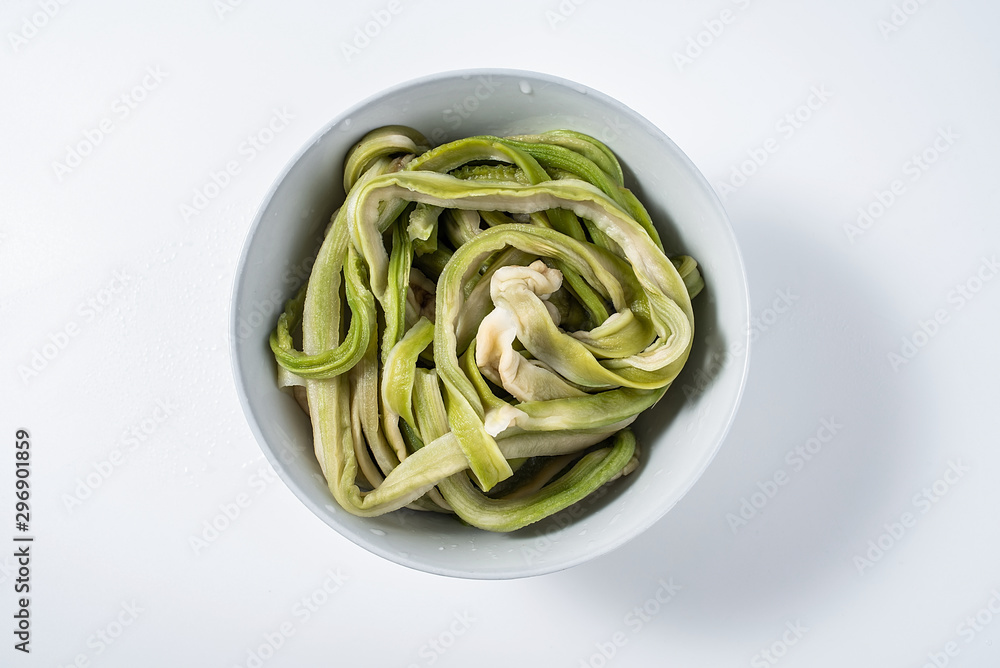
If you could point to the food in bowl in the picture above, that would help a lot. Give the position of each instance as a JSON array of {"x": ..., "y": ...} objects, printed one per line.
[{"x": 483, "y": 322}]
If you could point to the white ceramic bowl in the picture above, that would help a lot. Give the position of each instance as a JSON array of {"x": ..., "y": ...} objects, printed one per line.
[{"x": 678, "y": 437}]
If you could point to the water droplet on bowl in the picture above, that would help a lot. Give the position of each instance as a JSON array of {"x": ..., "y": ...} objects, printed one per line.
[
  {"x": 525, "y": 87},
  {"x": 377, "y": 532}
]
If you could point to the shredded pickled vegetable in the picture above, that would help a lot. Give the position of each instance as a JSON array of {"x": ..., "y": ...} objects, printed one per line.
[{"x": 483, "y": 322}]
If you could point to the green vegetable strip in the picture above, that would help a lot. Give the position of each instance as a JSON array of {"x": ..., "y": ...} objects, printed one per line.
[
  {"x": 558, "y": 157},
  {"x": 395, "y": 301},
  {"x": 335, "y": 361},
  {"x": 583, "y": 144},
  {"x": 592, "y": 471},
  {"x": 380, "y": 144},
  {"x": 688, "y": 270},
  {"x": 432, "y": 416},
  {"x": 422, "y": 229},
  {"x": 590, "y": 257},
  {"x": 465, "y": 418},
  {"x": 400, "y": 370},
  {"x": 491, "y": 402}
]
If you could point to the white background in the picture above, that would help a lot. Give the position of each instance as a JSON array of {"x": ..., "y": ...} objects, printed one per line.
[{"x": 145, "y": 378}]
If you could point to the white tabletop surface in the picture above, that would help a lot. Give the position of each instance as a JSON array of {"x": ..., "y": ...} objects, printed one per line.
[{"x": 848, "y": 519}]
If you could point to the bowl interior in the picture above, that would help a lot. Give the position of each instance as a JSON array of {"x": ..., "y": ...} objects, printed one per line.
[{"x": 678, "y": 437}]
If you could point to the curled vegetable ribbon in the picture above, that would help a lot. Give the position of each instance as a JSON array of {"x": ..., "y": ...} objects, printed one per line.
[{"x": 483, "y": 322}]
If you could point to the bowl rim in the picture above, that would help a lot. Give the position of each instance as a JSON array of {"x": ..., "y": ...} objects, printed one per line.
[{"x": 394, "y": 557}]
